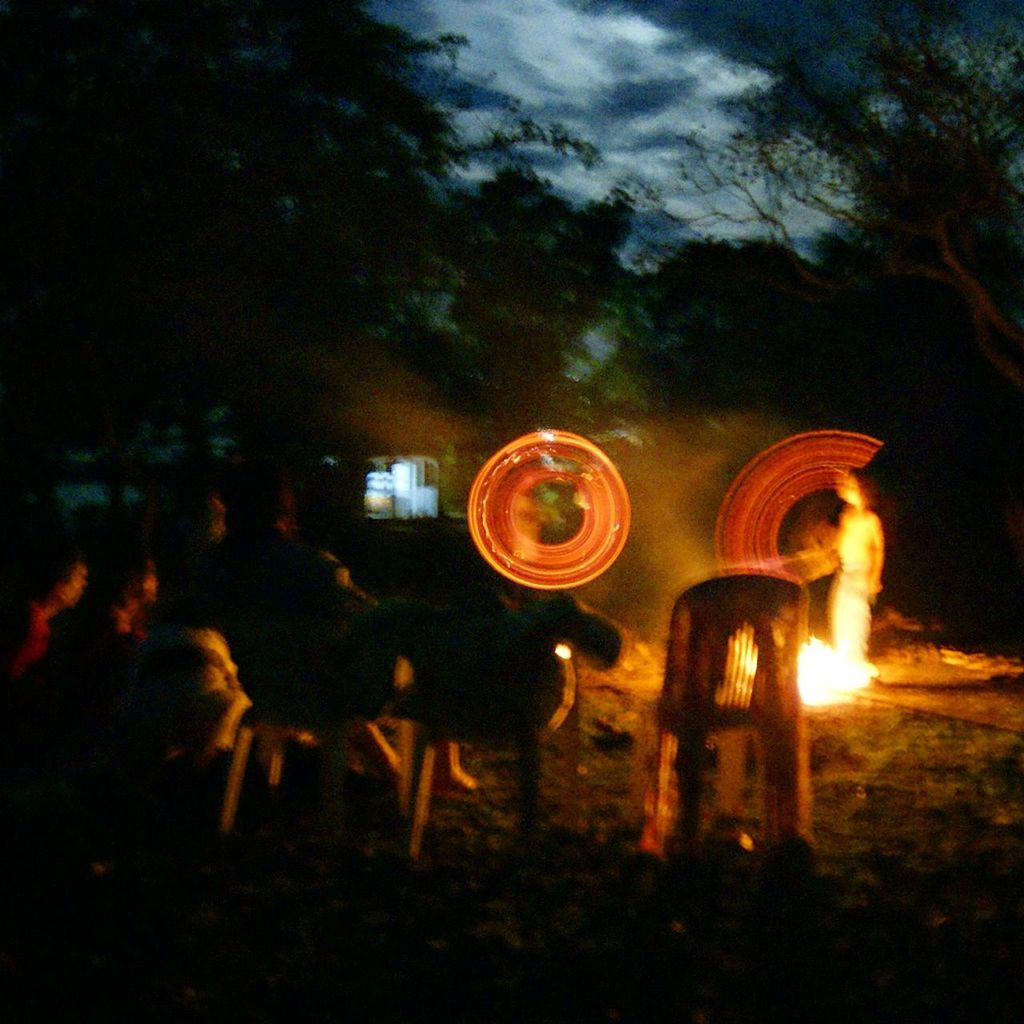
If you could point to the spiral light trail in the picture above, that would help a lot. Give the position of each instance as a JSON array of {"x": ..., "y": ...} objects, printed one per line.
[
  {"x": 770, "y": 484},
  {"x": 505, "y": 514}
]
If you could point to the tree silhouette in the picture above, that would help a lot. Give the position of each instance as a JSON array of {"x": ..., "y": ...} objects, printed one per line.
[
  {"x": 199, "y": 201},
  {"x": 537, "y": 273},
  {"x": 245, "y": 211},
  {"x": 912, "y": 153}
]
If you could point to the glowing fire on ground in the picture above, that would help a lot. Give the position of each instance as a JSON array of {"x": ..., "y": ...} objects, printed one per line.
[{"x": 827, "y": 676}]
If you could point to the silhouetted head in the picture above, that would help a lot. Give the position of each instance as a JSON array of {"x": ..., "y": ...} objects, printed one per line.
[
  {"x": 55, "y": 572},
  {"x": 257, "y": 498},
  {"x": 123, "y": 588},
  {"x": 856, "y": 489}
]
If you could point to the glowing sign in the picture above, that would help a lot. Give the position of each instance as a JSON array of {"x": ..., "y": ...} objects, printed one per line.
[
  {"x": 751, "y": 514},
  {"x": 549, "y": 510}
]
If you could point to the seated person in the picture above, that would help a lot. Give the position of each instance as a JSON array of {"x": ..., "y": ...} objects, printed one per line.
[
  {"x": 114, "y": 619},
  {"x": 54, "y": 580},
  {"x": 184, "y": 700},
  {"x": 36, "y": 711},
  {"x": 283, "y": 605}
]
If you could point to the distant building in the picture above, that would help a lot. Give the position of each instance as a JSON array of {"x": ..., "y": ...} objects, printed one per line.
[{"x": 401, "y": 487}]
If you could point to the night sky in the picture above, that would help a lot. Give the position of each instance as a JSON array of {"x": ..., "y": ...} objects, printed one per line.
[{"x": 631, "y": 76}]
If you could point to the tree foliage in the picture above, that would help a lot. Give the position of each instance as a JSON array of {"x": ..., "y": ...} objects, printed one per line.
[
  {"x": 250, "y": 205},
  {"x": 913, "y": 154},
  {"x": 194, "y": 195},
  {"x": 537, "y": 274}
]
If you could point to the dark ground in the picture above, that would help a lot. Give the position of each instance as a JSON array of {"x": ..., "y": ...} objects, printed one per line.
[{"x": 910, "y": 908}]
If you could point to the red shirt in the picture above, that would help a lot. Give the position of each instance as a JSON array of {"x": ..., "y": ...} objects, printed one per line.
[{"x": 35, "y": 643}]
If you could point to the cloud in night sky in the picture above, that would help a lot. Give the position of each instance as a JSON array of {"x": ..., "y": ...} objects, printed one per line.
[
  {"x": 614, "y": 77},
  {"x": 633, "y": 76}
]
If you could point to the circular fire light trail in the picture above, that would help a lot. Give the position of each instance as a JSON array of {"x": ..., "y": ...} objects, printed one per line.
[
  {"x": 770, "y": 484},
  {"x": 506, "y": 515}
]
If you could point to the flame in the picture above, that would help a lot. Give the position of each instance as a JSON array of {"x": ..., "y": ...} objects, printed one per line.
[
  {"x": 564, "y": 651},
  {"x": 827, "y": 677}
]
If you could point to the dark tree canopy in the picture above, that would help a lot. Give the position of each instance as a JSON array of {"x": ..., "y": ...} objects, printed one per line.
[
  {"x": 193, "y": 195},
  {"x": 537, "y": 274},
  {"x": 248, "y": 206},
  {"x": 912, "y": 151}
]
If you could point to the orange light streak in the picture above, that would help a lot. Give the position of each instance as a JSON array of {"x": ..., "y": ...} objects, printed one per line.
[
  {"x": 770, "y": 484},
  {"x": 503, "y": 517}
]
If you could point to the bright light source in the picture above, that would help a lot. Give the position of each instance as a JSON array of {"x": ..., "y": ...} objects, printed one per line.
[
  {"x": 544, "y": 475},
  {"x": 827, "y": 677},
  {"x": 770, "y": 484}
]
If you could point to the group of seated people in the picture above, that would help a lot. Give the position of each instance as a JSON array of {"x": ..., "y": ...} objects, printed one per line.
[
  {"x": 103, "y": 665},
  {"x": 98, "y": 667}
]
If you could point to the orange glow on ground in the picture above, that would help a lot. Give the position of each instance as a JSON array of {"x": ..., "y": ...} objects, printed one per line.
[
  {"x": 751, "y": 514},
  {"x": 505, "y": 518}
]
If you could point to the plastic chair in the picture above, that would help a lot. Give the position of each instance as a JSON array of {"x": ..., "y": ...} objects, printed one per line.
[
  {"x": 273, "y": 738},
  {"x": 419, "y": 745},
  {"x": 732, "y": 658}
]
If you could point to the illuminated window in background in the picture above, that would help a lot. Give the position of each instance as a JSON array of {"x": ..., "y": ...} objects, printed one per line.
[{"x": 401, "y": 487}]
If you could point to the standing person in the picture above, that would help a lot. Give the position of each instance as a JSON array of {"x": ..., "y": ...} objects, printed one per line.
[{"x": 860, "y": 547}]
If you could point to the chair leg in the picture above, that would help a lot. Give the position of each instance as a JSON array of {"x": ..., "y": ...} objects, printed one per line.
[
  {"x": 423, "y": 791},
  {"x": 565, "y": 736},
  {"x": 386, "y": 755},
  {"x": 689, "y": 765},
  {"x": 733, "y": 746},
  {"x": 804, "y": 827},
  {"x": 236, "y": 776},
  {"x": 406, "y": 765},
  {"x": 453, "y": 767},
  {"x": 275, "y": 762},
  {"x": 333, "y": 763},
  {"x": 661, "y": 811},
  {"x": 787, "y": 783}
]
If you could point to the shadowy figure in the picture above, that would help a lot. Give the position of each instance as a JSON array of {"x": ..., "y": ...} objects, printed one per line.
[
  {"x": 283, "y": 605},
  {"x": 53, "y": 579},
  {"x": 860, "y": 547},
  {"x": 483, "y": 671},
  {"x": 184, "y": 699},
  {"x": 36, "y": 680},
  {"x": 116, "y": 616},
  {"x": 180, "y": 714}
]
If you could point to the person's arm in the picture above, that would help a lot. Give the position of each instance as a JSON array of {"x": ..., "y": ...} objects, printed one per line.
[
  {"x": 344, "y": 579},
  {"x": 878, "y": 554}
]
